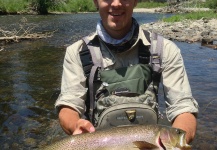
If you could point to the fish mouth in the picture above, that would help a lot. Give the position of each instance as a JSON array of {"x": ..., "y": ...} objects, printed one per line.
[
  {"x": 160, "y": 144},
  {"x": 181, "y": 145}
]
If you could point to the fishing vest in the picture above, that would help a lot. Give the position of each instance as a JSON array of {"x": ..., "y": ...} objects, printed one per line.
[{"x": 126, "y": 95}]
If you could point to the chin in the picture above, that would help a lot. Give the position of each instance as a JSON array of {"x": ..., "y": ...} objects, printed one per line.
[{"x": 116, "y": 26}]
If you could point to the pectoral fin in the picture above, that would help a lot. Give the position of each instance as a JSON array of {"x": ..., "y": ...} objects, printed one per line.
[{"x": 144, "y": 145}]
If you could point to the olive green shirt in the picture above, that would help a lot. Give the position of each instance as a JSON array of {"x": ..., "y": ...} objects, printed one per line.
[{"x": 178, "y": 96}]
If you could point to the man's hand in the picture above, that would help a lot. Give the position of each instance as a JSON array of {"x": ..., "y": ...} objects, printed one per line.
[
  {"x": 71, "y": 123},
  {"x": 188, "y": 123},
  {"x": 83, "y": 126}
]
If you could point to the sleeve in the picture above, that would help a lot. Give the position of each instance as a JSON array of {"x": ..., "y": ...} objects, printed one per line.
[
  {"x": 73, "y": 85},
  {"x": 177, "y": 91}
]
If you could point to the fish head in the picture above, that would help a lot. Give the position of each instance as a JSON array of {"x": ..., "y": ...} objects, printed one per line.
[{"x": 173, "y": 139}]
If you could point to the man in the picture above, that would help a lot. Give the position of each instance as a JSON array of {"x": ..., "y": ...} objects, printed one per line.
[{"x": 116, "y": 28}]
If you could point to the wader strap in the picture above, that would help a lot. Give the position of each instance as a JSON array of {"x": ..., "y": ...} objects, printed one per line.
[
  {"x": 96, "y": 56},
  {"x": 91, "y": 92},
  {"x": 156, "y": 61},
  {"x": 144, "y": 50},
  {"x": 156, "y": 53}
]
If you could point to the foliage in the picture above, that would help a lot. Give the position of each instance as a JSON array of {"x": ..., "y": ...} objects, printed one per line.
[
  {"x": 13, "y": 6},
  {"x": 150, "y": 4},
  {"x": 192, "y": 16},
  {"x": 212, "y": 4},
  {"x": 46, "y": 6},
  {"x": 83, "y": 5},
  {"x": 42, "y": 6},
  {"x": 75, "y": 6}
]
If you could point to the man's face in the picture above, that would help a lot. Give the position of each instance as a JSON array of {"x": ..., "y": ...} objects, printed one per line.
[{"x": 116, "y": 15}]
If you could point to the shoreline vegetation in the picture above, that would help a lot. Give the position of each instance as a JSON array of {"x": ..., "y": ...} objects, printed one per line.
[
  {"x": 44, "y": 7},
  {"x": 201, "y": 13},
  {"x": 180, "y": 9}
]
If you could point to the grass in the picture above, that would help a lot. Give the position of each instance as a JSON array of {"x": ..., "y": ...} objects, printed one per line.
[
  {"x": 192, "y": 16},
  {"x": 13, "y": 6},
  {"x": 75, "y": 6},
  {"x": 212, "y": 4},
  {"x": 150, "y": 5}
]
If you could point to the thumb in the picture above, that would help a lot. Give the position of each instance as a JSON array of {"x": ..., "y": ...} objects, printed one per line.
[{"x": 92, "y": 129}]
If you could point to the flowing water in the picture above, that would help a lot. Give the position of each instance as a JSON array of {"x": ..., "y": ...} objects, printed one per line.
[{"x": 30, "y": 75}]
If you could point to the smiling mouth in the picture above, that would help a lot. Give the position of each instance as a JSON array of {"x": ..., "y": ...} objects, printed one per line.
[{"x": 116, "y": 14}]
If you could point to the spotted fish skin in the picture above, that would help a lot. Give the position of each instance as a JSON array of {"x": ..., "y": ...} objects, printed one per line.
[{"x": 138, "y": 137}]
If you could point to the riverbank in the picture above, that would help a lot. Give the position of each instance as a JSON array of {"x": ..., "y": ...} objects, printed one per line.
[
  {"x": 202, "y": 30},
  {"x": 146, "y": 10},
  {"x": 186, "y": 30},
  {"x": 169, "y": 10}
]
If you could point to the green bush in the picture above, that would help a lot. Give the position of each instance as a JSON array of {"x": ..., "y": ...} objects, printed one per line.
[
  {"x": 45, "y": 6},
  {"x": 212, "y": 4},
  {"x": 2, "y": 8},
  {"x": 68, "y": 5},
  {"x": 13, "y": 6},
  {"x": 41, "y": 6},
  {"x": 83, "y": 5},
  {"x": 150, "y": 5}
]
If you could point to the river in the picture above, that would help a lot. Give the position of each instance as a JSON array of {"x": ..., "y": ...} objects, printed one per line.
[{"x": 30, "y": 74}]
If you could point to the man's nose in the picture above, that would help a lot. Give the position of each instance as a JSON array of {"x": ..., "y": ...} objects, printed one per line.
[{"x": 116, "y": 3}]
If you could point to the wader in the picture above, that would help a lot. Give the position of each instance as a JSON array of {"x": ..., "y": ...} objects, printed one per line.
[{"x": 127, "y": 95}]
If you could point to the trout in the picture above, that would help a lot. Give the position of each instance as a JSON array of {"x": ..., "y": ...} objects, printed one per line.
[{"x": 137, "y": 137}]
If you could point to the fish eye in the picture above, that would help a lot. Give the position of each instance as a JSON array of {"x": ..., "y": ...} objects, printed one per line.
[{"x": 178, "y": 131}]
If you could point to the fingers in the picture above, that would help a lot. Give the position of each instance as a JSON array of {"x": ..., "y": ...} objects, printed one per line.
[
  {"x": 83, "y": 126},
  {"x": 77, "y": 131}
]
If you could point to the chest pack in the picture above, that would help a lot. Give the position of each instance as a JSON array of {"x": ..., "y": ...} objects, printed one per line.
[{"x": 126, "y": 95}]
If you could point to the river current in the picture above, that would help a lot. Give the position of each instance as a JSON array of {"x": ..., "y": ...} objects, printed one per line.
[{"x": 30, "y": 74}]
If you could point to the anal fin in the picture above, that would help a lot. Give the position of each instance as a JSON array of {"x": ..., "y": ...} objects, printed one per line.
[{"x": 142, "y": 145}]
